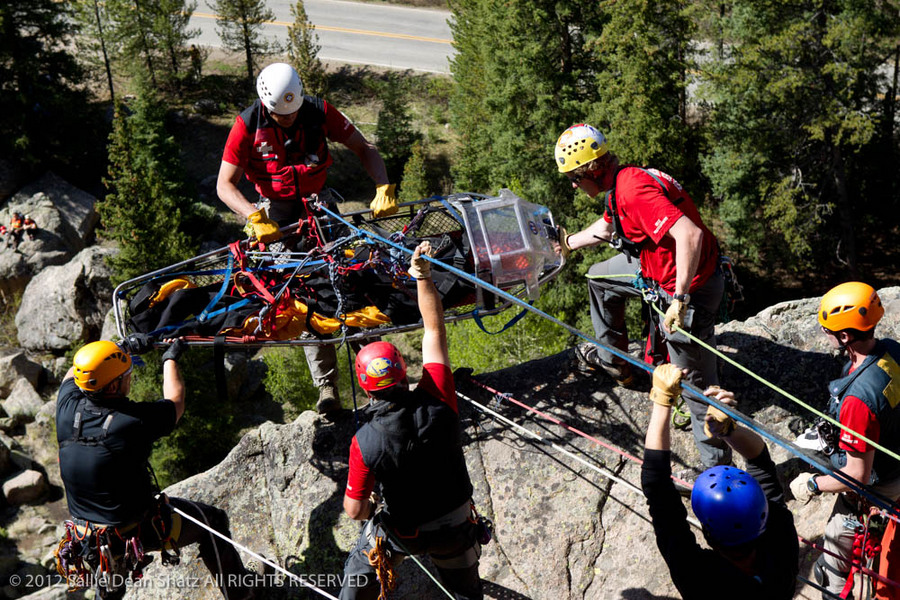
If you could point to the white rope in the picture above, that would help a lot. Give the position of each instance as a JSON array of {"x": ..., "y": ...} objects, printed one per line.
[
  {"x": 602, "y": 471},
  {"x": 255, "y": 555}
]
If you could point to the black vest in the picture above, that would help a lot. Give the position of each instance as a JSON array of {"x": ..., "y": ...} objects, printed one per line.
[{"x": 414, "y": 451}]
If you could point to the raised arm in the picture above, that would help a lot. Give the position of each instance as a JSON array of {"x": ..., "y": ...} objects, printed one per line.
[{"x": 434, "y": 340}]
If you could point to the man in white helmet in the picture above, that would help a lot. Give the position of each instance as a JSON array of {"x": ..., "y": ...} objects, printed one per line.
[
  {"x": 654, "y": 223},
  {"x": 281, "y": 144}
]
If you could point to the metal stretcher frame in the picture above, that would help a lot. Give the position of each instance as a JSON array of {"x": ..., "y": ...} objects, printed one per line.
[{"x": 202, "y": 263}]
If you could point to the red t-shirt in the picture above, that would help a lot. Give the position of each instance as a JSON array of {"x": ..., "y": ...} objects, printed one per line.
[
  {"x": 437, "y": 380},
  {"x": 647, "y": 214},
  {"x": 858, "y": 417},
  {"x": 257, "y": 145}
]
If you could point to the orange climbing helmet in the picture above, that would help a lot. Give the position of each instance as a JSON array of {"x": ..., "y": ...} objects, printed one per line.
[
  {"x": 851, "y": 305},
  {"x": 98, "y": 364}
]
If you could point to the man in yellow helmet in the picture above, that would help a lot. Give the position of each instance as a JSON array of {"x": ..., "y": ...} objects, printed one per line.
[
  {"x": 280, "y": 143},
  {"x": 864, "y": 400},
  {"x": 654, "y": 223},
  {"x": 105, "y": 441}
]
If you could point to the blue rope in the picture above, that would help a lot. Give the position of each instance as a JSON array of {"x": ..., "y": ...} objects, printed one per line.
[
  {"x": 857, "y": 486},
  {"x": 225, "y": 283}
]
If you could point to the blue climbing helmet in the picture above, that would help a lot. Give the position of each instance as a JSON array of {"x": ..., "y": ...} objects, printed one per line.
[{"x": 730, "y": 504}]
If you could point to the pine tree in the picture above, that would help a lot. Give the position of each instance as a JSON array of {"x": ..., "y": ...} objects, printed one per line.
[
  {"x": 414, "y": 185},
  {"x": 641, "y": 61},
  {"x": 303, "y": 50},
  {"x": 96, "y": 45},
  {"x": 142, "y": 211},
  {"x": 796, "y": 126},
  {"x": 171, "y": 20},
  {"x": 394, "y": 129},
  {"x": 239, "y": 26},
  {"x": 44, "y": 116},
  {"x": 523, "y": 73}
]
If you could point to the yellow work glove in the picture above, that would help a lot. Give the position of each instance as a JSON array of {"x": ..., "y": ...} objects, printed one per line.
[
  {"x": 264, "y": 229},
  {"x": 666, "y": 384},
  {"x": 675, "y": 315},
  {"x": 800, "y": 488},
  {"x": 385, "y": 202},
  {"x": 718, "y": 424},
  {"x": 419, "y": 268},
  {"x": 564, "y": 247}
]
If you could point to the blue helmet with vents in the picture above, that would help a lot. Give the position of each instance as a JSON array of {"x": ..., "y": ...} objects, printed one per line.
[{"x": 730, "y": 505}]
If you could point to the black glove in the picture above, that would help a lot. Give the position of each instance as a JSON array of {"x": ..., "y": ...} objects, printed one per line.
[
  {"x": 174, "y": 351},
  {"x": 137, "y": 344}
]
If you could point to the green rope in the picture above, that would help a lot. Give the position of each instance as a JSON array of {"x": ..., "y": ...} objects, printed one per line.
[
  {"x": 680, "y": 418},
  {"x": 784, "y": 393}
]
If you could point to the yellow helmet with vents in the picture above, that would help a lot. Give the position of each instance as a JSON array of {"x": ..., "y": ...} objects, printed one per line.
[{"x": 578, "y": 145}]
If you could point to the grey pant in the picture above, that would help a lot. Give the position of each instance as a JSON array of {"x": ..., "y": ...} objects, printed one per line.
[
  {"x": 841, "y": 531},
  {"x": 608, "y": 295}
]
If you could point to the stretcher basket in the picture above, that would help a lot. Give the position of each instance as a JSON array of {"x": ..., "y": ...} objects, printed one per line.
[{"x": 508, "y": 243}]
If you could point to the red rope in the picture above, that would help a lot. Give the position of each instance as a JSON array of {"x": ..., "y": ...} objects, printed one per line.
[
  {"x": 553, "y": 419},
  {"x": 854, "y": 563}
]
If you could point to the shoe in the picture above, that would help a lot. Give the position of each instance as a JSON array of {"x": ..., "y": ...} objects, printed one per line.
[
  {"x": 810, "y": 440},
  {"x": 589, "y": 360},
  {"x": 328, "y": 399}
]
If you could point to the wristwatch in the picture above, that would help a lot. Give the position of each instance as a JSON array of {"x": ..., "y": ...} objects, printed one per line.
[
  {"x": 812, "y": 486},
  {"x": 685, "y": 298}
]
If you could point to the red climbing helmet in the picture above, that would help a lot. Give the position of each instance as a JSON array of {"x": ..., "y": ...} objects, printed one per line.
[{"x": 379, "y": 366}]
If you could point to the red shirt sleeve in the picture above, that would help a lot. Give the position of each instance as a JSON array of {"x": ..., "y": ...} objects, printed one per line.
[
  {"x": 360, "y": 480},
  {"x": 338, "y": 128},
  {"x": 437, "y": 380},
  {"x": 857, "y": 416},
  {"x": 237, "y": 147}
]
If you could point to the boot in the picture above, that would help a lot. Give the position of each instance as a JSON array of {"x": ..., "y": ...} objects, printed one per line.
[{"x": 328, "y": 399}]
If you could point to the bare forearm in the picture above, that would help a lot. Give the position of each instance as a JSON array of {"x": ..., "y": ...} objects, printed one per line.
[
  {"x": 658, "y": 432},
  {"x": 232, "y": 197},
  {"x": 374, "y": 164},
  {"x": 597, "y": 233},
  {"x": 173, "y": 386},
  {"x": 687, "y": 259},
  {"x": 430, "y": 307},
  {"x": 745, "y": 442}
]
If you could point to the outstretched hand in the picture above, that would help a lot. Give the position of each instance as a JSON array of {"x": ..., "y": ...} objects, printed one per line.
[
  {"x": 666, "y": 384},
  {"x": 718, "y": 424},
  {"x": 419, "y": 268}
]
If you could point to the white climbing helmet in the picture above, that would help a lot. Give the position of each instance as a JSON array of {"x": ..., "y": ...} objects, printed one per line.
[{"x": 280, "y": 89}]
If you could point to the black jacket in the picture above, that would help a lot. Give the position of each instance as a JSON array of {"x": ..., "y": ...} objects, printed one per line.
[{"x": 702, "y": 574}]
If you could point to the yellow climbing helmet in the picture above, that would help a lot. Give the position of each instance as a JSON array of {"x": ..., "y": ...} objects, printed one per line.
[
  {"x": 98, "y": 364},
  {"x": 851, "y": 305},
  {"x": 578, "y": 145}
]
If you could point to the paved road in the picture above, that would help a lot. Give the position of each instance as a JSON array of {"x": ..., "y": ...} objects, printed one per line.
[{"x": 353, "y": 32}]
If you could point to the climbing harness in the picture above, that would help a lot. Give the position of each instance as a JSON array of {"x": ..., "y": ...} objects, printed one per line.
[{"x": 100, "y": 556}]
